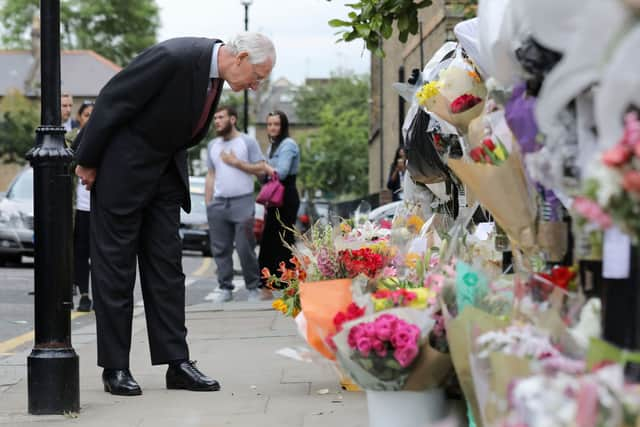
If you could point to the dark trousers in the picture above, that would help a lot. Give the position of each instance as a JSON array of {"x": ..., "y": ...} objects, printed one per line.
[
  {"x": 150, "y": 233},
  {"x": 81, "y": 250},
  {"x": 272, "y": 250}
]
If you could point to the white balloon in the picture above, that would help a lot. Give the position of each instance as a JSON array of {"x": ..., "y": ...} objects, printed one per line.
[
  {"x": 583, "y": 62},
  {"x": 619, "y": 89}
]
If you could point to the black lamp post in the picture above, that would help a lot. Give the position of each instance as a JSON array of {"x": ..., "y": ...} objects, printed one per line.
[
  {"x": 53, "y": 369},
  {"x": 246, "y": 4}
]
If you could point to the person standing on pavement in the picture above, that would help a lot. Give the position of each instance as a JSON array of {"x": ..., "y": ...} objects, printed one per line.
[
  {"x": 231, "y": 202},
  {"x": 66, "y": 108},
  {"x": 284, "y": 158},
  {"x": 132, "y": 155},
  {"x": 81, "y": 225},
  {"x": 396, "y": 174}
]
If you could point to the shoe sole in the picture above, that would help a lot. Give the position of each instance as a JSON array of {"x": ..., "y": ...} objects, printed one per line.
[
  {"x": 108, "y": 389},
  {"x": 186, "y": 387}
]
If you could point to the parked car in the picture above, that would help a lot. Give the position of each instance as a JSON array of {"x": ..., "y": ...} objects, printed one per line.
[
  {"x": 16, "y": 219},
  {"x": 384, "y": 212},
  {"x": 310, "y": 212},
  {"x": 194, "y": 226}
]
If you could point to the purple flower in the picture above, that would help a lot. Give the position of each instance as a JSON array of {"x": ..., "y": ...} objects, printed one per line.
[{"x": 519, "y": 113}]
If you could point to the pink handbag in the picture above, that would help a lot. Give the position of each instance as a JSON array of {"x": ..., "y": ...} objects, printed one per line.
[{"x": 272, "y": 193}]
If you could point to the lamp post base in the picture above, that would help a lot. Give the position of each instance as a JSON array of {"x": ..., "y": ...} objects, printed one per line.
[{"x": 53, "y": 381}]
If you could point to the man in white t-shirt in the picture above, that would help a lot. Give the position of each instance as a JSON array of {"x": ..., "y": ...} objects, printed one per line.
[{"x": 231, "y": 202}]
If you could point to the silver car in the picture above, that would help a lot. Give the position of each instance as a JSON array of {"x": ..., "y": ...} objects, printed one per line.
[{"x": 16, "y": 219}]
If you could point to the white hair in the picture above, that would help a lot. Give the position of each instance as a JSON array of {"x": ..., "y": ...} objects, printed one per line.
[{"x": 259, "y": 47}]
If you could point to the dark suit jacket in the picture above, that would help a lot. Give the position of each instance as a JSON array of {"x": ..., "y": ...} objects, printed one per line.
[{"x": 143, "y": 120}]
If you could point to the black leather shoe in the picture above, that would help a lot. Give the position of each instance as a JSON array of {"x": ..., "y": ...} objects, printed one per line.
[
  {"x": 120, "y": 382},
  {"x": 186, "y": 376}
]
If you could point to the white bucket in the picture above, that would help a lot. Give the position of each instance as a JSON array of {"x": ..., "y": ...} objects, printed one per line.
[{"x": 405, "y": 408}]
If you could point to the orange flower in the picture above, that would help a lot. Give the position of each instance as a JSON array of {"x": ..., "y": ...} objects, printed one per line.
[
  {"x": 266, "y": 274},
  {"x": 282, "y": 267},
  {"x": 476, "y": 78}
]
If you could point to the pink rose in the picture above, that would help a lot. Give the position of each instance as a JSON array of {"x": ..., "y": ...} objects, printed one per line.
[
  {"x": 369, "y": 330},
  {"x": 406, "y": 355},
  {"x": 364, "y": 345},
  {"x": 383, "y": 330},
  {"x": 631, "y": 181},
  {"x": 354, "y": 334},
  {"x": 379, "y": 347},
  {"x": 401, "y": 338},
  {"x": 617, "y": 156},
  {"x": 592, "y": 211},
  {"x": 389, "y": 318}
]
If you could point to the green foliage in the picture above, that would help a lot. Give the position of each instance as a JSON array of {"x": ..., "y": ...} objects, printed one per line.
[
  {"x": 372, "y": 21},
  {"x": 116, "y": 29},
  {"x": 334, "y": 157},
  {"x": 19, "y": 119}
]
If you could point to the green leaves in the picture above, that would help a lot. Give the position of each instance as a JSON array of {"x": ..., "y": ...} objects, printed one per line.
[
  {"x": 334, "y": 155},
  {"x": 18, "y": 121},
  {"x": 373, "y": 21},
  {"x": 116, "y": 29}
]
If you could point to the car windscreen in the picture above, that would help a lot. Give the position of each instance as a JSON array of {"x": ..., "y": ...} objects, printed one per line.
[
  {"x": 197, "y": 204},
  {"x": 22, "y": 188}
]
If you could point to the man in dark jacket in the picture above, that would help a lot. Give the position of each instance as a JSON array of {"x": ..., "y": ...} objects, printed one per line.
[{"x": 132, "y": 155}]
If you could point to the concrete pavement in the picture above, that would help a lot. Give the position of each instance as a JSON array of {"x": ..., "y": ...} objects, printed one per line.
[{"x": 235, "y": 343}]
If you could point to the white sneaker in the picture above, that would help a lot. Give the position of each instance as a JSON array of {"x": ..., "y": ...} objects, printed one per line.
[
  {"x": 256, "y": 295},
  {"x": 223, "y": 295}
]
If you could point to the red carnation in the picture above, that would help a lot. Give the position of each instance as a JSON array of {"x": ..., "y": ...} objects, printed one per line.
[
  {"x": 489, "y": 144},
  {"x": 464, "y": 102}
]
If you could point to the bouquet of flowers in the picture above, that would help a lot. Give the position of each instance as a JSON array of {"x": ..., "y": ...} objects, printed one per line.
[
  {"x": 289, "y": 283},
  {"x": 598, "y": 399},
  {"x": 390, "y": 350},
  {"x": 457, "y": 95},
  {"x": 612, "y": 191}
]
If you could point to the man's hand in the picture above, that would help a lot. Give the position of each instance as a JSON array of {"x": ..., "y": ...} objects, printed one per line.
[
  {"x": 229, "y": 158},
  {"x": 87, "y": 176}
]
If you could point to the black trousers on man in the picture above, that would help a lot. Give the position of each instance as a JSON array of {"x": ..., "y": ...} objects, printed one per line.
[{"x": 150, "y": 233}]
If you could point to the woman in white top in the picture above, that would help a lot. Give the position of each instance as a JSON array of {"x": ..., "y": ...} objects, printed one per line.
[{"x": 81, "y": 228}]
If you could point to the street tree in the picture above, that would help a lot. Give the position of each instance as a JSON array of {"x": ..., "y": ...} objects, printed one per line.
[
  {"x": 116, "y": 29},
  {"x": 19, "y": 118},
  {"x": 372, "y": 20},
  {"x": 334, "y": 156}
]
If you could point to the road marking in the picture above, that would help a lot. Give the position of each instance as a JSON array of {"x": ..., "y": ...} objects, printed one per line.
[
  {"x": 206, "y": 263},
  {"x": 7, "y": 346}
]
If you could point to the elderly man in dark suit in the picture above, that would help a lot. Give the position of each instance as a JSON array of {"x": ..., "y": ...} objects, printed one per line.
[{"x": 132, "y": 155}]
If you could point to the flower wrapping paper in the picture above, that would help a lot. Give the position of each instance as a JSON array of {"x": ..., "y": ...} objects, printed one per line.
[
  {"x": 505, "y": 191},
  {"x": 427, "y": 371}
]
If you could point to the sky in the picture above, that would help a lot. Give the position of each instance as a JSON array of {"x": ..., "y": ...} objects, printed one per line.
[{"x": 305, "y": 43}]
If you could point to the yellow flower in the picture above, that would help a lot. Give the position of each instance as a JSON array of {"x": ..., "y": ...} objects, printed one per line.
[
  {"x": 500, "y": 152},
  {"x": 423, "y": 295},
  {"x": 415, "y": 223},
  {"x": 428, "y": 91},
  {"x": 345, "y": 228},
  {"x": 412, "y": 259},
  {"x": 280, "y": 305}
]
